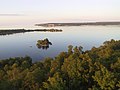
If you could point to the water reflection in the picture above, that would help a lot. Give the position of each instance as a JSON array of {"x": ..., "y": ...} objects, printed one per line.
[{"x": 43, "y": 47}]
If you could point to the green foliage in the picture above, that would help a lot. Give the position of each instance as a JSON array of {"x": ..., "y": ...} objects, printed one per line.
[
  {"x": 55, "y": 83},
  {"x": 44, "y": 42},
  {"x": 96, "y": 69},
  {"x": 104, "y": 78}
]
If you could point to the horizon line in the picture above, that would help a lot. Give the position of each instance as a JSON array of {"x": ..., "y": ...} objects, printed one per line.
[{"x": 11, "y": 14}]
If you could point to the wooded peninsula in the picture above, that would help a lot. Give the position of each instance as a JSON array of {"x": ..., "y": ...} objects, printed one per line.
[
  {"x": 14, "y": 31},
  {"x": 77, "y": 24}
]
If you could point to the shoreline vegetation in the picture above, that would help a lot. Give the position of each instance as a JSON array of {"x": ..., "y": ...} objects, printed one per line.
[
  {"x": 14, "y": 31},
  {"x": 95, "y": 69},
  {"x": 77, "y": 24}
]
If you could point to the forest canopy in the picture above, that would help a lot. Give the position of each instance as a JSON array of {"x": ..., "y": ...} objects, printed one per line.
[{"x": 95, "y": 69}]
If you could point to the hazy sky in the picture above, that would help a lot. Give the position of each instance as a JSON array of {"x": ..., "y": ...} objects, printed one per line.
[{"x": 16, "y": 12}]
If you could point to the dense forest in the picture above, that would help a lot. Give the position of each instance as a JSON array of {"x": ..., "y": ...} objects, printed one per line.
[{"x": 95, "y": 69}]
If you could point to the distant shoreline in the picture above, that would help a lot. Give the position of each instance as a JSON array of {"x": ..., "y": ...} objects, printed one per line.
[
  {"x": 77, "y": 24},
  {"x": 14, "y": 31}
]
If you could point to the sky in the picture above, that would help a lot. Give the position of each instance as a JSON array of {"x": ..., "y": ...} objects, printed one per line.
[{"x": 30, "y": 12}]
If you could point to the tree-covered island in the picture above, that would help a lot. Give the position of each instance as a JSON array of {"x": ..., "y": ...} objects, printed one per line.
[{"x": 44, "y": 44}]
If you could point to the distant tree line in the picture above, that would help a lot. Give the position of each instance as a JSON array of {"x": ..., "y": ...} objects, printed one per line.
[
  {"x": 15, "y": 31},
  {"x": 95, "y": 69},
  {"x": 77, "y": 24}
]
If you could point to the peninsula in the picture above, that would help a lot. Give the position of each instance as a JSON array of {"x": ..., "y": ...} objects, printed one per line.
[
  {"x": 14, "y": 31},
  {"x": 77, "y": 24}
]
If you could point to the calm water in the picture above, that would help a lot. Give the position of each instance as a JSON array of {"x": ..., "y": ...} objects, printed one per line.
[{"x": 23, "y": 44}]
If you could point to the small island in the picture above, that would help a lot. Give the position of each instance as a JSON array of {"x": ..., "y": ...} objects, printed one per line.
[{"x": 44, "y": 44}]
